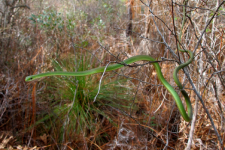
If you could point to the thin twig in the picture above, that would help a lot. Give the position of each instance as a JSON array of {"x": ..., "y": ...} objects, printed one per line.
[
  {"x": 211, "y": 78},
  {"x": 193, "y": 7},
  {"x": 192, "y": 125},
  {"x": 204, "y": 30},
  {"x": 164, "y": 97},
  {"x": 186, "y": 72},
  {"x": 203, "y": 105},
  {"x": 101, "y": 81},
  {"x": 158, "y": 17},
  {"x": 164, "y": 41}
]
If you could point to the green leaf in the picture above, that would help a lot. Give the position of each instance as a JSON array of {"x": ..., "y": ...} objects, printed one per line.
[{"x": 208, "y": 30}]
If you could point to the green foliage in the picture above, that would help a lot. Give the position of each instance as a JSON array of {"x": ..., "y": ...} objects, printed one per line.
[
  {"x": 99, "y": 22},
  {"x": 83, "y": 22},
  {"x": 146, "y": 119},
  {"x": 51, "y": 20},
  {"x": 208, "y": 30}
]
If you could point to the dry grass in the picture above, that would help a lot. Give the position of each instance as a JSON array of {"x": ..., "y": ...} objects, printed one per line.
[{"x": 28, "y": 49}]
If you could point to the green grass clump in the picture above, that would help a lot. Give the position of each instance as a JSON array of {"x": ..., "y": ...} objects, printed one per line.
[{"x": 72, "y": 97}]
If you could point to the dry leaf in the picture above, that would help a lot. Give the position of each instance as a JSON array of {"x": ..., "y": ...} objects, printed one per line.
[{"x": 44, "y": 138}]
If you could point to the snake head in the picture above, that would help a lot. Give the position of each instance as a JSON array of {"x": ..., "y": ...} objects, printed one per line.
[
  {"x": 36, "y": 77},
  {"x": 29, "y": 78}
]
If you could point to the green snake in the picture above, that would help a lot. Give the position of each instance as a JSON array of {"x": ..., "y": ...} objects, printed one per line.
[{"x": 187, "y": 117}]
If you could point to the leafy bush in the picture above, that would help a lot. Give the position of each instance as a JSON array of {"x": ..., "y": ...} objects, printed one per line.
[{"x": 50, "y": 20}]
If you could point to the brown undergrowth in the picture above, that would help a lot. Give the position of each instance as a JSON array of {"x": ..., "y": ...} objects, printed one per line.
[{"x": 152, "y": 120}]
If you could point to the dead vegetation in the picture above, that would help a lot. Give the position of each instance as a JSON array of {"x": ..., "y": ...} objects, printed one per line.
[{"x": 36, "y": 32}]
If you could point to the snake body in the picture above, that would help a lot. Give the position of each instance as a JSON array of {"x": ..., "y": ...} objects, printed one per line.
[
  {"x": 176, "y": 80},
  {"x": 187, "y": 117},
  {"x": 176, "y": 70}
]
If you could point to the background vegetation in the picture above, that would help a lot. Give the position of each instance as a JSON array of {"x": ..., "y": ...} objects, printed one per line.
[{"x": 131, "y": 109}]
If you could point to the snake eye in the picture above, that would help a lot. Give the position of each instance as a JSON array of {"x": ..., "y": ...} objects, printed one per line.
[{"x": 31, "y": 78}]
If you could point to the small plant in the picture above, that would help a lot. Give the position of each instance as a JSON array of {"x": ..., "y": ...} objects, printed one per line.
[{"x": 72, "y": 98}]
